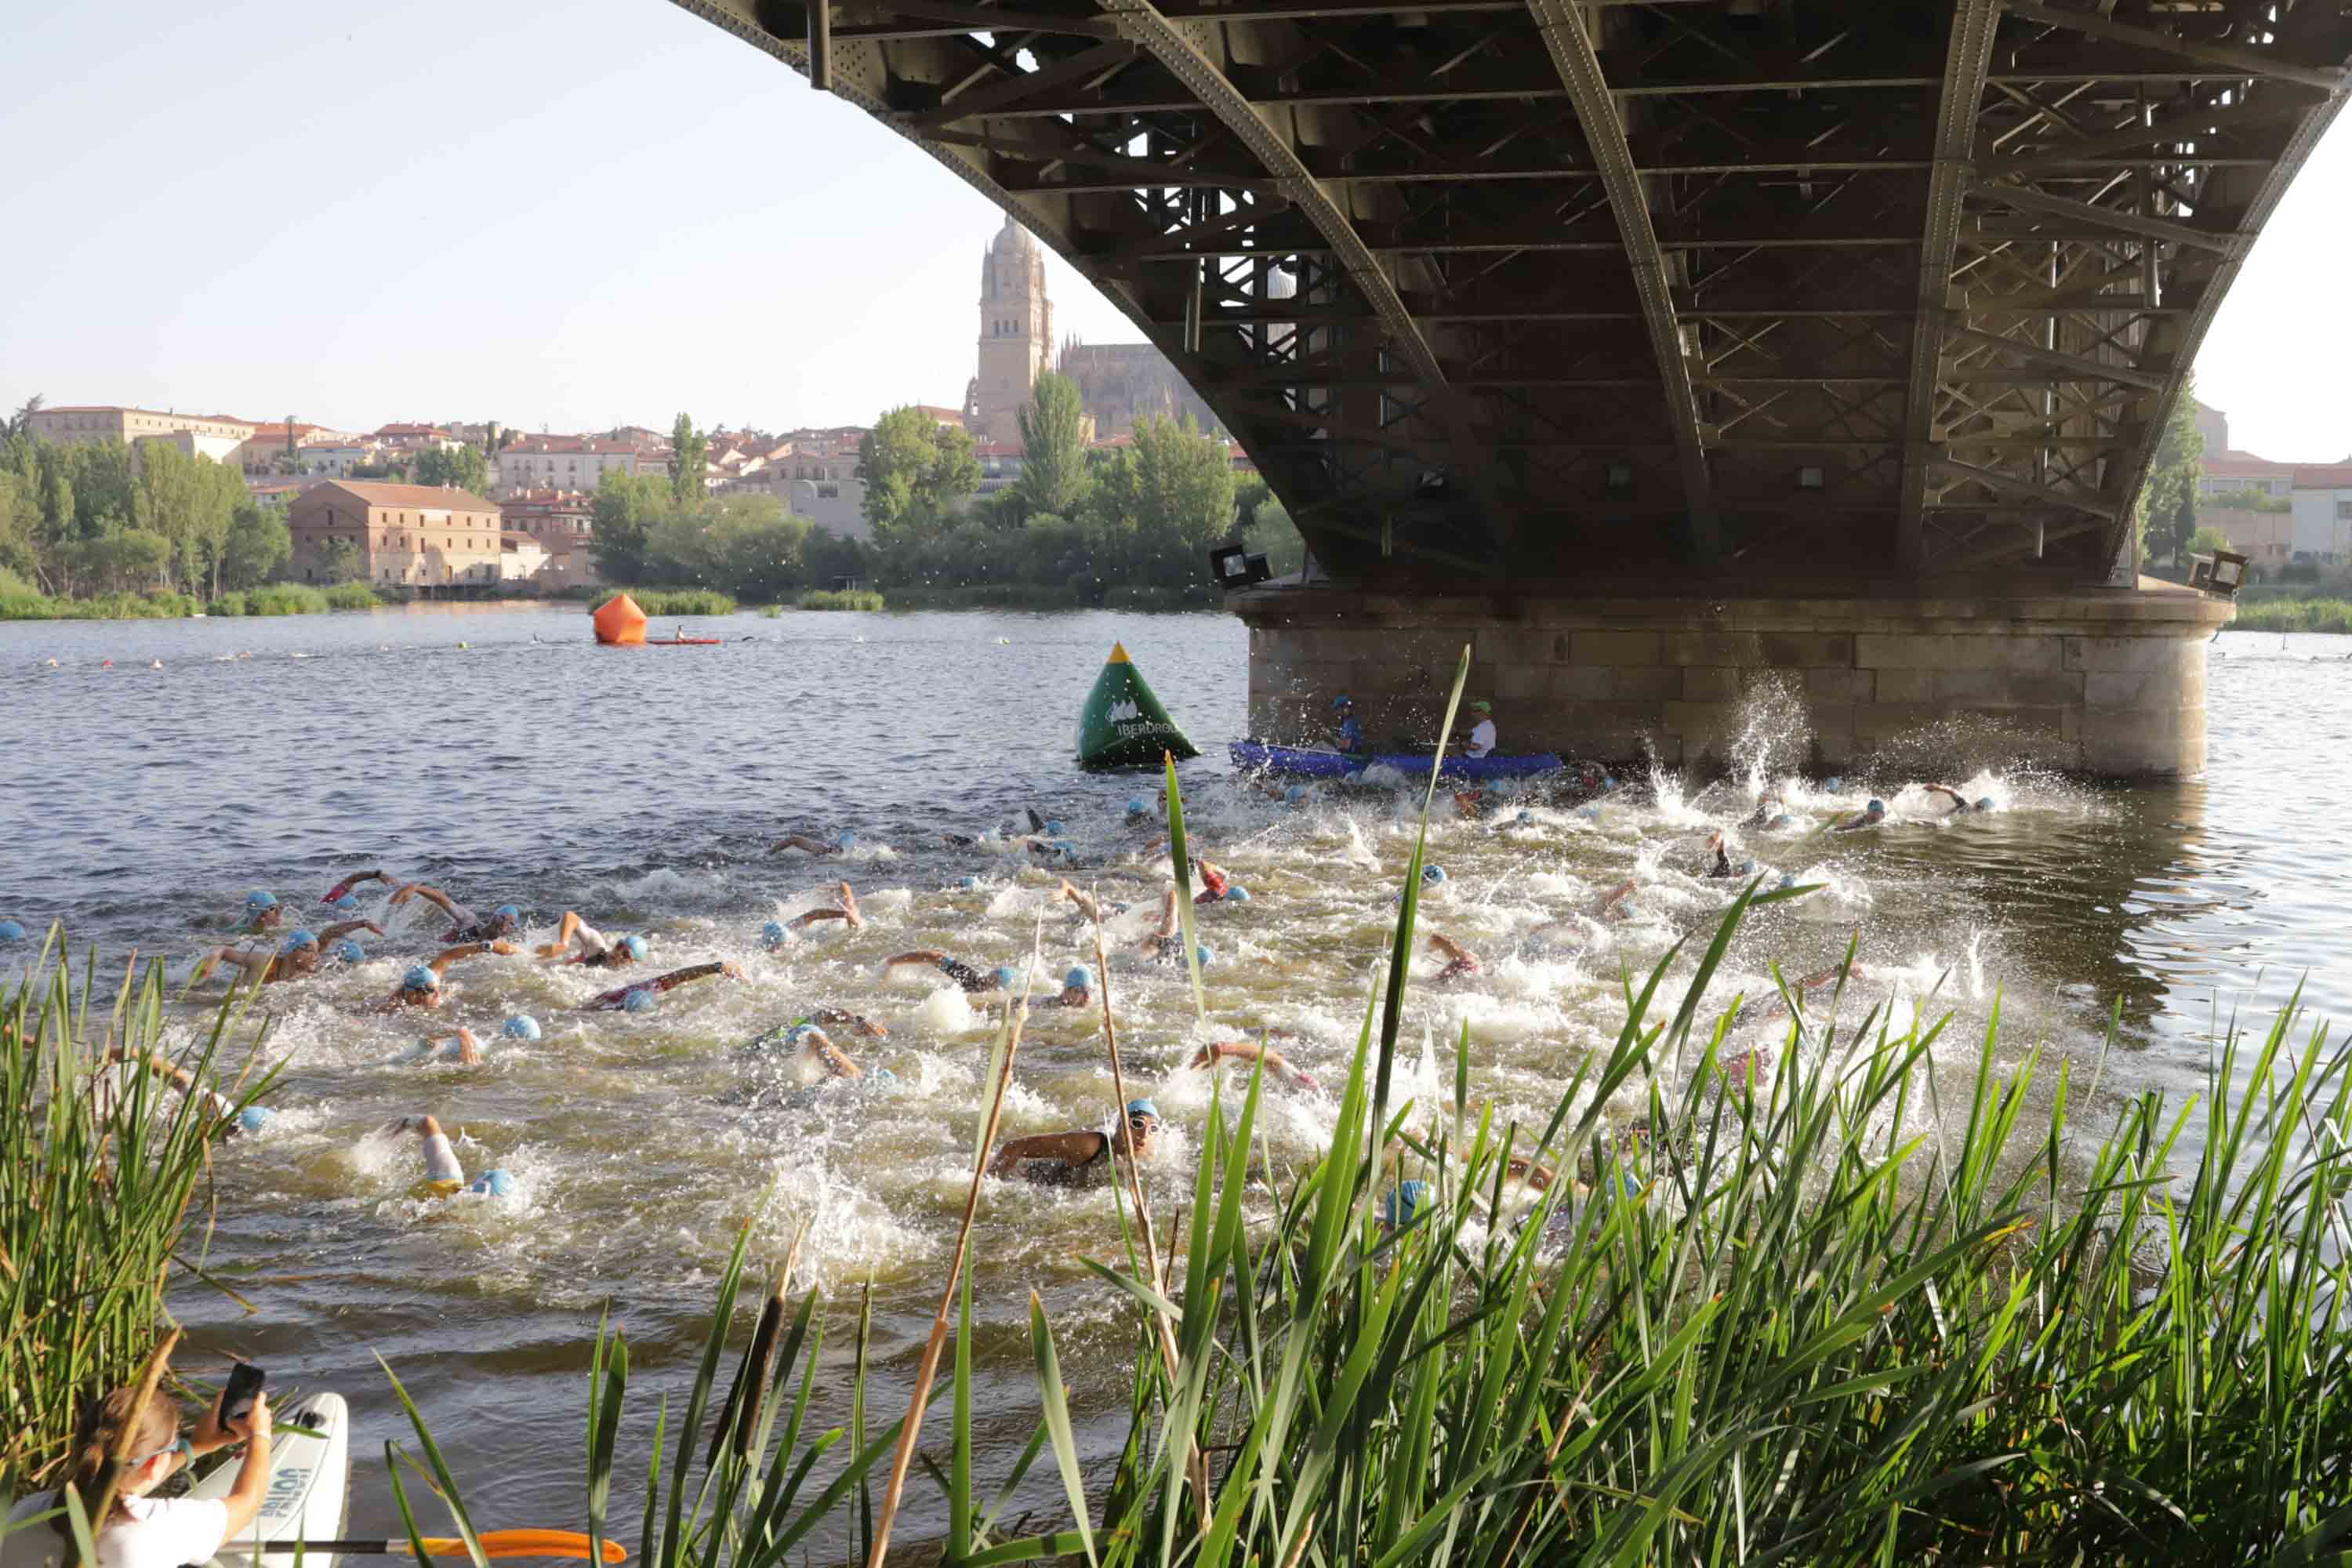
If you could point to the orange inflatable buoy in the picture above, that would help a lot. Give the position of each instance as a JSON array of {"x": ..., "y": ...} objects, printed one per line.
[{"x": 619, "y": 624}]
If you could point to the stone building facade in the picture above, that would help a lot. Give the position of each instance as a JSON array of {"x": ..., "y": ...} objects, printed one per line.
[
  {"x": 217, "y": 437},
  {"x": 412, "y": 535},
  {"x": 1122, "y": 385},
  {"x": 1016, "y": 334}
]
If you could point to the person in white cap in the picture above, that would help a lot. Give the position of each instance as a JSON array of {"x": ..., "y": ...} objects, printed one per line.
[{"x": 1482, "y": 734}]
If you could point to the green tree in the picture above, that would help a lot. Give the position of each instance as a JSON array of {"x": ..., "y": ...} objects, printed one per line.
[
  {"x": 464, "y": 468},
  {"x": 626, "y": 508},
  {"x": 2168, "y": 499},
  {"x": 339, "y": 561},
  {"x": 690, "y": 456},
  {"x": 1054, "y": 476},
  {"x": 258, "y": 544},
  {"x": 2206, "y": 540},
  {"x": 1272, "y": 534},
  {"x": 21, "y": 422},
  {"x": 915, "y": 470}
]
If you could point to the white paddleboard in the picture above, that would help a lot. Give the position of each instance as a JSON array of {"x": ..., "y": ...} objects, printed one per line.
[{"x": 309, "y": 1485}]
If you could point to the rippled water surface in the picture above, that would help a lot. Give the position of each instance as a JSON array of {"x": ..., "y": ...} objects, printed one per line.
[{"x": 496, "y": 751}]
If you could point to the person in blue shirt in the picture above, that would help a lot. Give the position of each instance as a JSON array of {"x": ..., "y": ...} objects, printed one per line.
[{"x": 1351, "y": 733}]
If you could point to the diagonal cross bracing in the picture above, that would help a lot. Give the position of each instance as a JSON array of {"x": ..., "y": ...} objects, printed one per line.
[
  {"x": 1967, "y": 58},
  {"x": 1563, "y": 24}
]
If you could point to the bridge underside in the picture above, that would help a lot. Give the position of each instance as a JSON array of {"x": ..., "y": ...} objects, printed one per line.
[{"x": 1515, "y": 287}]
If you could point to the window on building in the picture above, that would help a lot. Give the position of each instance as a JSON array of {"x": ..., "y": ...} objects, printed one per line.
[{"x": 2344, "y": 509}]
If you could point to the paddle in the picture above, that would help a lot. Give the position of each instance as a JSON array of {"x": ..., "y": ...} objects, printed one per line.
[{"x": 495, "y": 1543}]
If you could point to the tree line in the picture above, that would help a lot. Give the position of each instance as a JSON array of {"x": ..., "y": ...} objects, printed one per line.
[{"x": 98, "y": 517}]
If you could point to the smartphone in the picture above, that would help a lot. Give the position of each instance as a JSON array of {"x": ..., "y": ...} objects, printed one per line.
[{"x": 244, "y": 1384}]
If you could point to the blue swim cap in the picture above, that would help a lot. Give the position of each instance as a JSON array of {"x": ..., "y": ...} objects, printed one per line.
[
  {"x": 1401, "y": 1206},
  {"x": 300, "y": 939},
  {"x": 1833, "y": 784},
  {"x": 492, "y": 1184},
  {"x": 1135, "y": 807},
  {"x": 635, "y": 944},
  {"x": 1294, "y": 794},
  {"x": 1080, "y": 978},
  {"x": 1783, "y": 820},
  {"x": 1063, "y": 847},
  {"x": 775, "y": 934},
  {"x": 1237, "y": 895},
  {"x": 1748, "y": 867},
  {"x": 1007, "y": 977},
  {"x": 846, "y": 841},
  {"x": 508, "y": 913},
  {"x": 1342, "y": 700},
  {"x": 257, "y": 900},
  {"x": 420, "y": 977},
  {"x": 967, "y": 883},
  {"x": 1788, "y": 879},
  {"x": 1433, "y": 873},
  {"x": 1206, "y": 954},
  {"x": 798, "y": 1032},
  {"x": 1608, "y": 781},
  {"x": 1143, "y": 1108},
  {"x": 1054, "y": 827},
  {"x": 1877, "y": 808},
  {"x": 639, "y": 1000},
  {"x": 348, "y": 950},
  {"x": 1984, "y": 802},
  {"x": 347, "y": 903},
  {"x": 252, "y": 1118},
  {"x": 11, "y": 931},
  {"x": 881, "y": 1075},
  {"x": 522, "y": 1027}
]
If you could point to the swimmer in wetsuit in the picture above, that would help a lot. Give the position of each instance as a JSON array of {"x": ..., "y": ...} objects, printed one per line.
[
  {"x": 108, "y": 1090},
  {"x": 807, "y": 845},
  {"x": 1960, "y": 802},
  {"x": 848, "y": 913},
  {"x": 1872, "y": 815},
  {"x": 421, "y": 986},
  {"x": 638, "y": 996},
  {"x": 1277, "y": 1067},
  {"x": 342, "y": 889},
  {"x": 1089, "y": 908},
  {"x": 444, "y": 1176},
  {"x": 1461, "y": 963},
  {"x": 577, "y": 942},
  {"x": 962, "y": 974},
  {"x": 1080, "y": 1158},
  {"x": 465, "y": 925},
  {"x": 463, "y": 1049},
  {"x": 300, "y": 954},
  {"x": 261, "y": 912}
]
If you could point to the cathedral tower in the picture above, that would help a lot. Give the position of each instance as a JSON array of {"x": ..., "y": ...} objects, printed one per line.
[{"x": 1016, "y": 333}]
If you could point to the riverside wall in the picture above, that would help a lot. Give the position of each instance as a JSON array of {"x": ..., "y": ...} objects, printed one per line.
[{"x": 2100, "y": 681}]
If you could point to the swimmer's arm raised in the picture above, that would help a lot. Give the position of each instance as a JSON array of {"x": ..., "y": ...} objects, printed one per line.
[
  {"x": 255, "y": 965},
  {"x": 439, "y": 963},
  {"x": 353, "y": 880},
  {"x": 1070, "y": 1148},
  {"x": 448, "y": 905},
  {"x": 344, "y": 927},
  {"x": 840, "y": 1018}
]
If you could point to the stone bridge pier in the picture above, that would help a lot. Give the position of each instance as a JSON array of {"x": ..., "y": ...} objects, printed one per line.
[{"x": 2106, "y": 682}]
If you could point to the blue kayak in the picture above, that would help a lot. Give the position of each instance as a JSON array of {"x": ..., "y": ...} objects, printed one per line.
[{"x": 1255, "y": 756}]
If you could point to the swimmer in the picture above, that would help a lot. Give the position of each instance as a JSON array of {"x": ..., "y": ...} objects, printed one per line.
[
  {"x": 1960, "y": 802},
  {"x": 1276, "y": 1066},
  {"x": 623, "y": 999},
  {"x": 261, "y": 912},
  {"x": 807, "y": 845},
  {"x": 1872, "y": 815},
  {"x": 299, "y": 955},
  {"x": 1461, "y": 963},
  {"x": 577, "y": 942},
  {"x": 1079, "y": 1158},
  {"x": 1778, "y": 1007},
  {"x": 1077, "y": 990},
  {"x": 814, "y": 1047},
  {"x": 847, "y": 913},
  {"x": 1469, "y": 804},
  {"x": 421, "y": 986},
  {"x": 1613, "y": 903},
  {"x": 962, "y": 974},
  {"x": 465, "y": 925},
  {"x": 463, "y": 1049},
  {"x": 342, "y": 889},
  {"x": 108, "y": 1090},
  {"x": 1770, "y": 809},
  {"x": 1087, "y": 906},
  {"x": 444, "y": 1176}
]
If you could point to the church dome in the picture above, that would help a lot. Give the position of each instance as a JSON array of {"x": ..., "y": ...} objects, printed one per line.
[{"x": 1013, "y": 240}]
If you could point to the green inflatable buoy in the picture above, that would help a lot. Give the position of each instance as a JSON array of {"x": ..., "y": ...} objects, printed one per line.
[{"x": 1123, "y": 724}]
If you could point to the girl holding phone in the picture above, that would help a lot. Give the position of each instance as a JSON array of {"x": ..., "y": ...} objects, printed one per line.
[{"x": 143, "y": 1532}]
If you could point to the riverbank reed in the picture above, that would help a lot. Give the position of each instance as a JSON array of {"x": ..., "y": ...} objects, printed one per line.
[
  {"x": 2284, "y": 614},
  {"x": 295, "y": 599},
  {"x": 1827, "y": 1289},
  {"x": 657, "y": 601},
  {"x": 97, "y": 1193},
  {"x": 842, "y": 599}
]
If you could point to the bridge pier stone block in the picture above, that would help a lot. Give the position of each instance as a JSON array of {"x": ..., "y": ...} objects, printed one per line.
[{"x": 2099, "y": 680}]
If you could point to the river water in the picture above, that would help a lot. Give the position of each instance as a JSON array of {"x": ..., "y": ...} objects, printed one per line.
[{"x": 495, "y": 752}]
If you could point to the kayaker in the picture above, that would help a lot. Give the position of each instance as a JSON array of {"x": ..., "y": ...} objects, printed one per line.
[
  {"x": 421, "y": 985},
  {"x": 1079, "y": 1158},
  {"x": 1482, "y": 734},
  {"x": 1960, "y": 802},
  {"x": 145, "y": 1532},
  {"x": 962, "y": 974},
  {"x": 640, "y": 996},
  {"x": 465, "y": 925},
  {"x": 1276, "y": 1066},
  {"x": 298, "y": 955},
  {"x": 577, "y": 942},
  {"x": 1351, "y": 733},
  {"x": 444, "y": 1176},
  {"x": 1872, "y": 815},
  {"x": 801, "y": 841}
]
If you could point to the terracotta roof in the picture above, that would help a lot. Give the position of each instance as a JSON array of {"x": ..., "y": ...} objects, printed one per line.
[
  {"x": 410, "y": 430},
  {"x": 944, "y": 415},
  {"x": 2324, "y": 476},
  {"x": 543, "y": 444},
  {"x": 2237, "y": 462},
  {"x": 430, "y": 498}
]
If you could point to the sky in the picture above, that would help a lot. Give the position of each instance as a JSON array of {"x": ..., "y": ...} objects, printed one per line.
[{"x": 576, "y": 216}]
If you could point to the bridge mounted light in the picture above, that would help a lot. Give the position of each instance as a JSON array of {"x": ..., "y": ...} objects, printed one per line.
[
  {"x": 1233, "y": 567},
  {"x": 1809, "y": 478},
  {"x": 2221, "y": 573}
]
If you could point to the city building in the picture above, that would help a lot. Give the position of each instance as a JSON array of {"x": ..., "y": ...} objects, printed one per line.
[
  {"x": 338, "y": 460},
  {"x": 808, "y": 490},
  {"x": 217, "y": 437},
  {"x": 563, "y": 523},
  {"x": 999, "y": 464},
  {"x": 2323, "y": 513},
  {"x": 2224, "y": 472},
  {"x": 270, "y": 442},
  {"x": 569, "y": 462},
  {"x": 1120, "y": 385},
  {"x": 416, "y": 437},
  {"x": 2213, "y": 426},
  {"x": 2264, "y": 537},
  {"x": 412, "y": 535},
  {"x": 522, "y": 562}
]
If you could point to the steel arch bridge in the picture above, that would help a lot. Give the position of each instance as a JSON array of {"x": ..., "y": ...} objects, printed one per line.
[{"x": 1494, "y": 289}]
